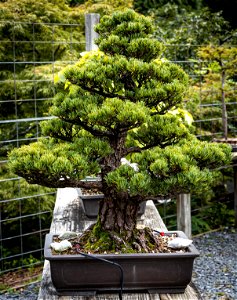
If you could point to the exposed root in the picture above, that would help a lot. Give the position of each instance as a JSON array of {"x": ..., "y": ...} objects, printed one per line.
[
  {"x": 117, "y": 239},
  {"x": 94, "y": 240},
  {"x": 147, "y": 240}
]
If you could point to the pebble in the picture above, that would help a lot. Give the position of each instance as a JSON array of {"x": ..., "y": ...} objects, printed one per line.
[{"x": 214, "y": 274}]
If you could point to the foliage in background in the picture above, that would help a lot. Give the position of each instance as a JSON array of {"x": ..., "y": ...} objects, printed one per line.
[
  {"x": 24, "y": 221},
  {"x": 227, "y": 8},
  {"x": 183, "y": 31},
  {"x": 34, "y": 47},
  {"x": 144, "y": 6},
  {"x": 216, "y": 91},
  {"x": 221, "y": 66},
  {"x": 26, "y": 90},
  {"x": 103, "y": 7}
]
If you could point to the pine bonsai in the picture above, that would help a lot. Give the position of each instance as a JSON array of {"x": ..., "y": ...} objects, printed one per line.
[{"x": 117, "y": 103}]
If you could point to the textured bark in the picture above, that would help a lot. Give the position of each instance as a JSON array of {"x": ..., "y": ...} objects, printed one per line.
[
  {"x": 119, "y": 215},
  {"x": 118, "y": 210}
]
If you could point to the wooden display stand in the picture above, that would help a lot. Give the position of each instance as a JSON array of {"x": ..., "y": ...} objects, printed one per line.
[{"x": 69, "y": 216}]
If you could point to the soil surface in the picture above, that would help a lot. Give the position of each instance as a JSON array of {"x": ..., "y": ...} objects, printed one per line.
[{"x": 162, "y": 240}]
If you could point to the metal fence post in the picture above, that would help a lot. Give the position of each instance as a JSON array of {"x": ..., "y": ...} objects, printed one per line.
[
  {"x": 90, "y": 21},
  {"x": 184, "y": 214}
]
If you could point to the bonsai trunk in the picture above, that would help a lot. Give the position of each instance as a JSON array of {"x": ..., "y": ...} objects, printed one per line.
[
  {"x": 118, "y": 214},
  {"x": 118, "y": 210}
]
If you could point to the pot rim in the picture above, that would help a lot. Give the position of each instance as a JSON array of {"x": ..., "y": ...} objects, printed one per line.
[
  {"x": 92, "y": 196},
  {"x": 192, "y": 252}
]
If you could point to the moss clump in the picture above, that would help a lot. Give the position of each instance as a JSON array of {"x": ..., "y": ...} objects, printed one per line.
[{"x": 96, "y": 240}]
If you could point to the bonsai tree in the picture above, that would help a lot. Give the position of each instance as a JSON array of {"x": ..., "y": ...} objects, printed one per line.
[{"x": 114, "y": 117}]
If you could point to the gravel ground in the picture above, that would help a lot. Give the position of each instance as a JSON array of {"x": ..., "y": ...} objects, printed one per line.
[
  {"x": 30, "y": 292},
  {"x": 215, "y": 271}
]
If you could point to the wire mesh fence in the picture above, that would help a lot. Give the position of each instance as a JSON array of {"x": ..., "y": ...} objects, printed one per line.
[
  {"x": 27, "y": 72},
  {"x": 213, "y": 82},
  {"x": 28, "y": 64}
]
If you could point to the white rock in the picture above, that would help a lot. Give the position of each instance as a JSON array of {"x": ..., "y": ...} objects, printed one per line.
[
  {"x": 124, "y": 161},
  {"x": 62, "y": 246},
  {"x": 178, "y": 243}
]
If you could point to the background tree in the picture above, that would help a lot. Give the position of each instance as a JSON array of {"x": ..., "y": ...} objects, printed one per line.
[
  {"x": 30, "y": 42},
  {"x": 144, "y": 6},
  {"x": 184, "y": 30},
  {"x": 116, "y": 103},
  {"x": 103, "y": 7}
]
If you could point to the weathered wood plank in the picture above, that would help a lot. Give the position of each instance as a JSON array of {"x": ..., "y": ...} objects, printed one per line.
[
  {"x": 190, "y": 294},
  {"x": 68, "y": 215},
  {"x": 184, "y": 221}
]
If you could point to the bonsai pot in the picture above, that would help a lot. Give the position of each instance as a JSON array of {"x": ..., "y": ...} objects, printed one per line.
[
  {"x": 90, "y": 202},
  {"x": 91, "y": 205},
  {"x": 146, "y": 272}
]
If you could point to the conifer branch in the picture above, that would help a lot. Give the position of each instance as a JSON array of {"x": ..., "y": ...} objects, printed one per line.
[
  {"x": 94, "y": 132},
  {"x": 102, "y": 93}
]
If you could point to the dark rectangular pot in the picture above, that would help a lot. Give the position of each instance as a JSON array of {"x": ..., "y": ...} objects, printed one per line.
[
  {"x": 91, "y": 205},
  {"x": 152, "y": 272}
]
